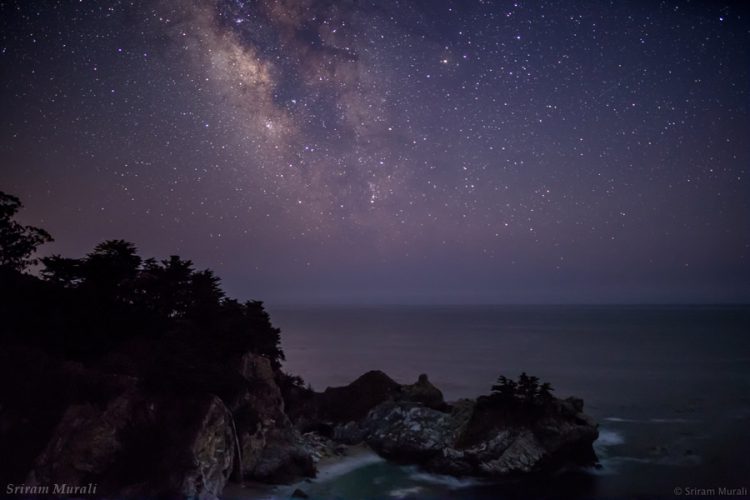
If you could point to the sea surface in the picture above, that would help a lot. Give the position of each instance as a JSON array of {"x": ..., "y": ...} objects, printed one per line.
[{"x": 670, "y": 386}]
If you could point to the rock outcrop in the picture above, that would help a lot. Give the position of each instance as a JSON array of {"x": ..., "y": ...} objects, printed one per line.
[
  {"x": 140, "y": 439},
  {"x": 422, "y": 391},
  {"x": 361, "y": 396},
  {"x": 478, "y": 441},
  {"x": 488, "y": 437},
  {"x": 408, "y": 431},
  {"x": 335, "y": 411},
  {"x": 272, "y": 449}
]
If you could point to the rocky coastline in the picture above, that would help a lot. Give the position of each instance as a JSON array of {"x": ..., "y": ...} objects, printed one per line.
[
  {"x": 412, "y": 424},
  {"x": 110, "y": 430}
]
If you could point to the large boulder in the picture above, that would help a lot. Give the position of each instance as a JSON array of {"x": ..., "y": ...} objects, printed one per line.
[
  {"x": 284, "y": 458},
  {"x": 482, "y": 439},
  {"x": 273, "y": 452},
  {"x": 142, "y": 445},
  {"x": 86, "y": 442},
  {"x": 261, "y": 391},
  {"x": 211, "y": 454},
  {"x": 35, "y": 392},
  {"x": 407, "y": 431}
]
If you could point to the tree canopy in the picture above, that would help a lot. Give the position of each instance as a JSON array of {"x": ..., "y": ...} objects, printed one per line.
[
  {"x": 85, "y": 307},
  {"x": 17, "y": 242},
  {"x": 527, "y": 390}
]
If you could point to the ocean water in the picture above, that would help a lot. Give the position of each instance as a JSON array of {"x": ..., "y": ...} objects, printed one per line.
[{"x": 670, "y": 387}]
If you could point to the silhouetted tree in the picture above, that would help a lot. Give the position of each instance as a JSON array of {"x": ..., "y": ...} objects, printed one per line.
[
  {"x": 504, "y": 389},
  {"x": 62, "y": 270},
  {"x": 111, "y": 268},
  {"x": 89, "y": 306},
  {"x": 545, "y": 392},
  {"x": 525, "y": 392},
  {"x": 528, "y": 387},
  {"x": 206, "y": 296},
  {"x": 165, "y": 286},
  {"x": 17, "y": 242},
  {"x": 247, "y": 326}
]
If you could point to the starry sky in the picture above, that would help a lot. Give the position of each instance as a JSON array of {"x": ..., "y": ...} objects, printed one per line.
[{"x": 320, "y": 151}]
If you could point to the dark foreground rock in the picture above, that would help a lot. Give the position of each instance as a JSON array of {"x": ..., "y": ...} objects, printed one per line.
[
  {"x": 75, "y": 425},
  {"x": 142, "y": 446}
]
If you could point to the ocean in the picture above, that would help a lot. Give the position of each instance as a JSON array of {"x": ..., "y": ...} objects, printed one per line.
[{"x": 669, "y": 385}]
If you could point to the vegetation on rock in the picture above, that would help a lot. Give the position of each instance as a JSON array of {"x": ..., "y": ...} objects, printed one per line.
[{"x": 526, "y": 391}]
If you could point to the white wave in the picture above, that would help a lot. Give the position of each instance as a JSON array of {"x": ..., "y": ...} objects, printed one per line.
[
  {"x": 609, "y": 438},
  {"x": 404, "y": 492},
  {"x": 671, "y": 420},
  {"x": 612, "y": 463},
  {"x": 650, "y": 420},
  {"x": 347, "y": 465},
  {"x": 451, "y": 482}
]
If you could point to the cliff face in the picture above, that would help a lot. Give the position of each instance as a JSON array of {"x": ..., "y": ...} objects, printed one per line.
[
  {"x": 272, "y": 449},
  {"x": 79, "y": 425}
]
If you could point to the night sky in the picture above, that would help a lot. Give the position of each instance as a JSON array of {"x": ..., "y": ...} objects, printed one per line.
[{"x": 392, "y": 151}]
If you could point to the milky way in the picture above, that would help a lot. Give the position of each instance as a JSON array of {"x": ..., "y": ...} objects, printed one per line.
[{"x": 429, "y": 151}]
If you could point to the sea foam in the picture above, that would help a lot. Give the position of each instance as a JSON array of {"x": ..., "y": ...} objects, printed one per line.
[
  {"x": 405, "y": 492},
  {"x": 609, "y": 438},
  {"x": 347, "y": 465},
  {"x": 450, "y": 482},
  {"x": 651, "y": 420}
]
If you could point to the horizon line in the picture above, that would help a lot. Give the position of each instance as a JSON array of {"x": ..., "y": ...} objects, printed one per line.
[{"x": 506, "y": 304}]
